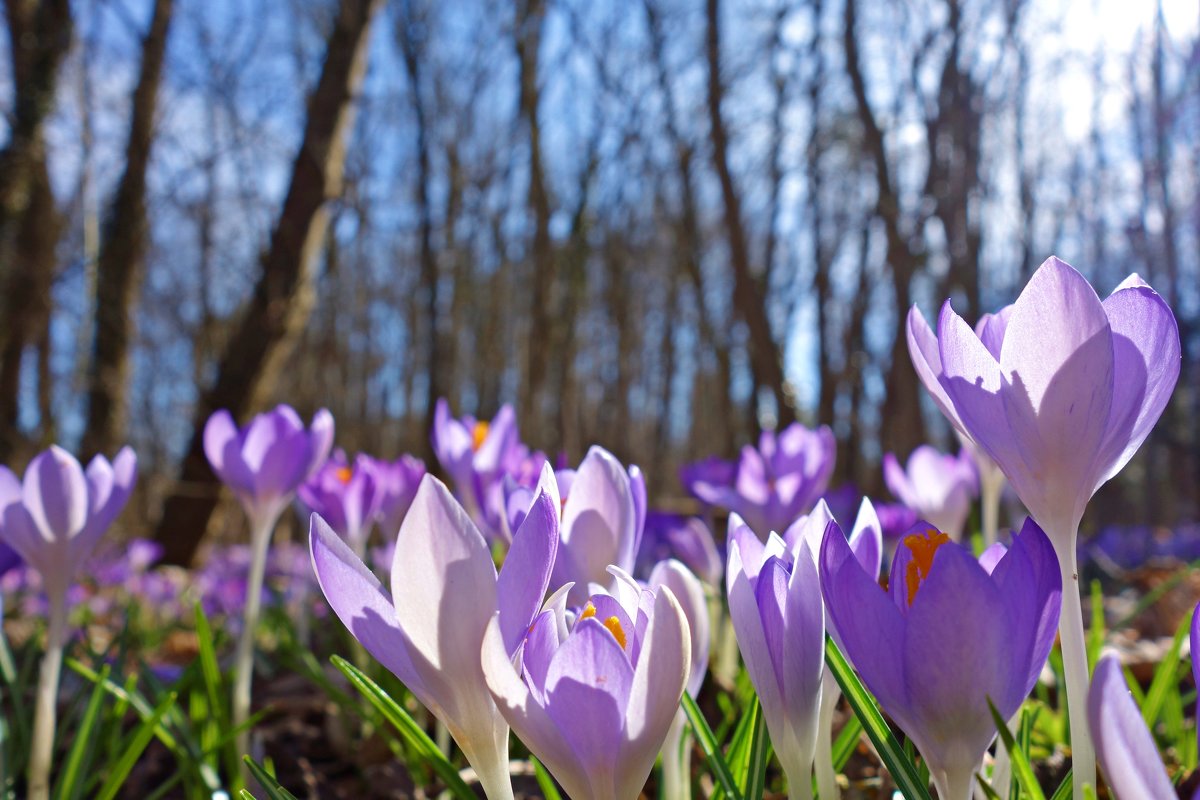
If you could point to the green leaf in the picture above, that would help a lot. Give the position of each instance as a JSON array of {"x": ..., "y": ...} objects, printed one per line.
[
  {"x": 133, "y": 751},
  {"x": 1165, "y": 676},
  {"x": 712, "y": 751},
  {"x": 1063, "y": 792},
  {"x": 68, "y": 786},
  {"x": 1022, "y": 771},
  {"x": 988, "y": 791},
  {"x": 1095, "y": 636},
  {"x": 544, "y": 781},
  {"x": 756, "y": 774},
  {"x": 408, "y": 728},
  {"x": 847, "y": 740},
  {"x": 267, "y": 781},
  {"x": 903, "y": 771}
]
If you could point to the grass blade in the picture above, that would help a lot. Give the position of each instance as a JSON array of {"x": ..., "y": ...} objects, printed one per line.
[
  {"x": 67, "y": 787},
  {"x": 904, "y": 772},
  {"x": 756, "y": 773},
  {"x": 407, "y": 726},
  {"x": 1063, "y": 792},
  {"x": 847, "y": 740},
  {"x": 1165, "y": 676},
  {"x": 712, "y": 751},
  {"x": 133, "y": 751},
  {"x": 544, "y": 781},
  {"x": 1022, "y": 771},
  {"x": 267, "y": 781}
]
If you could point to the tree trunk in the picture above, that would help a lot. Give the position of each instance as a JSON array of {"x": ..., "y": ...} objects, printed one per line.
[
  {"x": 123, "y": 254},
  {"x": 766, "y": 361},
  {"x": 284, "y": 294}
]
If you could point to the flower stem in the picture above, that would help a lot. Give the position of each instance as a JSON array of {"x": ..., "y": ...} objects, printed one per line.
[
  {"x": 991, "y": 488},
  {"x": 676, "y": 760},
  {"x": 1075, "y": 667},
  {"x": 262, "y": 526},
  {"x": 42, "y": 749},
  {"x": 958, "y": 784},
  {"x": 827, "y": 787}
]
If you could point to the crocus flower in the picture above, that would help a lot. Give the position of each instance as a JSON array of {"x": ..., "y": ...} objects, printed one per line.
[
  {"x": 687, "y": 539},
  {"x": 263, "y": 464},
  {"x": 8, "y": 558},
  {"x": 396, "y": 485},
  {"x": 477, "y": 454},
  {"x": 775, "y": 605},
  {"x": 345, "y": 496},
  {"x": 939, "y": 488},
  {"x": 266, "y": 461},
  {"x": 53, "y": 519},
  {"x": 946, "y": 638},
  {"x": 445, "y": 591},
  {"x": 593, "y": 694},
  {"x": 773, "y": 484},
  {"x": 1124, "y": 746},
  {"x": 1060, "y": 397}
]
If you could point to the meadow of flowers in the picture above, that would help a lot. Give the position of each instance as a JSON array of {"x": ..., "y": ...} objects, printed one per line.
[{"x": 531, "y": 628}]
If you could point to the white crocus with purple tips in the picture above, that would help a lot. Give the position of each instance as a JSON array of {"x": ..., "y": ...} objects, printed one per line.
[
  {"x": 445, "y": 591},
  {"x": 53, "y": 520}
]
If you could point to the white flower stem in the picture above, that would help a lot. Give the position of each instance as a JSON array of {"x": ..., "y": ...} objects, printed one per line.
[
  {"x": 956, "y": 784},
  {"x": 677, "y": 760},
  {"x": 42, "y": 749},
  {"x": 1075, "y": 666},
  {"x": 827, "y": 787},
  {"x": 262, "y": 526},
  {"x": 799, "y": 780},
  {"x": 991, "y": 488}
]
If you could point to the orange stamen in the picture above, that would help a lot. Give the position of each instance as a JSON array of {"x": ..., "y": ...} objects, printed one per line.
[
  {"x": 344, "y": 474},
  {"x": 614, "y": 627},
  {"x": 479, "y": 434},
  {"x": 922, "y": 546},
  {"x": 588, "y": 611}
]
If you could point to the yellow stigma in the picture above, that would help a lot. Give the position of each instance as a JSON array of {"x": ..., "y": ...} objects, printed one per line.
[
  {"x": 588, "y": 611},
  {"x": 922, "y": 546},
  {"x": 478, "y": 434},
  {"x": 614, "y": 627},
  {"x": 344, "y": 474}
]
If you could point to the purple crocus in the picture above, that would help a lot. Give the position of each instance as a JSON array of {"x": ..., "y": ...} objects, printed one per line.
[
  {"x": 346, "y": 496},
  {"x": 687, "y": 539},
  {"x": 939, "y": 488},
  {"x": 477, "y": 454},
  {"x": 396, "y": 485},
  {"x": 8, "y": 558},
  {"x": 593, "y": 694},
  {"x": 948, "y": 637},
  {"x": 775, "y": 605},
  {"x": 445, "y": 591},
  {"x": 772, "y": 484},
  {"x": 53, "y": 520},
  {"x": 1060, "y": 397},
  {"x": 1124, "y": 746}
]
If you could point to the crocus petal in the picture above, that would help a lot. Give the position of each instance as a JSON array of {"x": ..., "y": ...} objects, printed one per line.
[
  {"x": 320, "y": 437},
  {"x": 17, "y": 529},
  {"x": 990, "y": 329},
  {"x": 501, "y": 436},
  {"x": 688, "y": 590},
  {"x": 56, "y": 494},
  {"x": 590, "y": 679},
  {"x": 1030, "y": 582},
  {"x": 362, "y": 604},
  {"x": 276, "y": 450},
  {"x": 926, "y": 356},
  {"x": 1124, "y": 746},
  {"x": 637, "y": 490},
  {"x": 533, "y": 725},
  {"x": 897, "y": 481},
  {"x": 223, "y": 448},
  {"x": 658, "y": 684},
  {"x": 770, "y": 594},
  {"x": 804, "y": 645},
  {"x": 522, "y": 582},
  {"x": 597, "y": 519},
  {"x": 748, "y": 627},
  {"x": 869, "y": 624},
  {"x": 1146, "y": 363},
  {"x": 109, "y": 488},
  {"x": 1057, "y": 364},
  {"x": 866, "y": 538}
]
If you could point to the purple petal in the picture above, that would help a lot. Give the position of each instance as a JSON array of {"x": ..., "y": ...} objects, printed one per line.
[
  {"x": 1030, "y": 582},
  {"x": 109, "y": 489},
  {"x": 748, "y": 627},
  {"x": 1124, "y": 747},
  {"x": 276, "y": 450},
  {"x": 223, "y": 447},
  {"x": 990, "y": 329},
  {"x": 320, "y": 440},
  {"x": 804, "y": 642},
  {"x": 925, "y": 352},
  {"x": 360, "y": 602},
  {"x": 56, "y": 494},
  {"x": 17, "y": 529},
  {"x": 597, "y": 521},
  {"x": 690, "y": 593},
  {"x": 866, "y": 538},
  {"x": 541, "y": 644},
  {"x": 770, "y": 594},
  {"x": 523, "y": 579}
]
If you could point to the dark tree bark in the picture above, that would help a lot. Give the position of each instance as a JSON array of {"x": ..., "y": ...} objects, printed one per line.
[
  {"x": 903, "y": 425},
  {"x": 283, "y": 297},
  {"x": 123, "y": 254},
  {"x": 766, "y": 361}
]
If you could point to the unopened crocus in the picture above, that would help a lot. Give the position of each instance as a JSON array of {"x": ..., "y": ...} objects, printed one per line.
[
  {"x": 689, "y": 591},
  {"x": 264, "y": 464},
  {"x": 775, "y": 604},
  {"x": 1060, "y": 397},
  {"x": 773, "y": 484},
  {"x": 477, "y": 454},
  {"x": 445, "y": 591},
  {"x": 946, "y": 638},
  {"x": 593, "y": 694},
  {"x": 53, "y": 520},
  {"x": 396, "y": 485},
  {"x": 866, "y": 542},
  {"x": 1124, "y": 746},
  {"x": 687, "y": 539},
  {"x": 939, "y": 488},
  {"x": 346, "y": 496}
]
